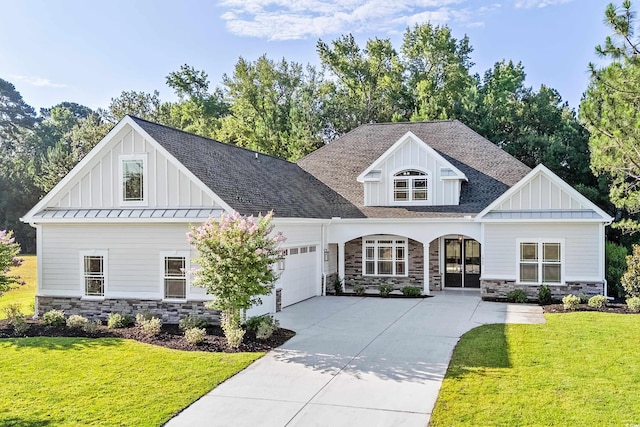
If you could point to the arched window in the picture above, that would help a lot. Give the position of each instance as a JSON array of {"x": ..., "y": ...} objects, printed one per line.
[{"x": 410, "y": 185}]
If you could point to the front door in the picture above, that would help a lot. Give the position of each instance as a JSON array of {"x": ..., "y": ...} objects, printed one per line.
[{"x": 461, "y": 263}]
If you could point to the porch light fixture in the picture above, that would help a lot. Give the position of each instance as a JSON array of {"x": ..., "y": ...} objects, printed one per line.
[
  {"x": 281, "y": 264},
  {"x": 326, "y": 255},
  {"x": 460, "y": 237}
]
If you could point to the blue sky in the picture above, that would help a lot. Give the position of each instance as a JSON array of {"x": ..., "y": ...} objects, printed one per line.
[{"x": 88, "y": 52}]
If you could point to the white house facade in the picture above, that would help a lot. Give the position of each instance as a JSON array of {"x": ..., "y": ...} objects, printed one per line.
[{"x": 428, "y": 204}]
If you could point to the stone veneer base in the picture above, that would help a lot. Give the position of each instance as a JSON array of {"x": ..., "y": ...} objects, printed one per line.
[
  {"x": 169, "y": 312},
  {"x": 498, "y": 289}
]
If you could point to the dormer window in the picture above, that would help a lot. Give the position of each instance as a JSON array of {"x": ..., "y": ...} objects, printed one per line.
[
  {"x": 133, "y": 179},
  {"x": 410, "y": 186}
]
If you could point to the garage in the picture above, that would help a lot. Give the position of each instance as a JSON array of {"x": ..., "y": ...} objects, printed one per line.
[{"x": 300, "y": 278}]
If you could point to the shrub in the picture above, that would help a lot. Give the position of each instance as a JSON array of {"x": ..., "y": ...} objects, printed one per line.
[
  {"x": 337, "y": 285},
  {"x": 633, "y": 304},
  {"x": 544, "y": 295},
  {"x": 12, "y": 310},
  {"x": 265, "y": 330},
  {"x": 233, "y": 333},
  {"x": 517, "y": 295},
  {"x": 631, "y": 278},
  {"x": 191, "y": 322},
  {"x": 584, "y": 298},
  {"x": 54, "y": 318},
  {"x": 412, "y": 291},
  {"x": 20, "y": 325},
  {"x": 91, "y": 326},
  {"x": 143, "y": 315},
  {"x": 385, "y": 290},
  {"x": 117, "y": 321},
  {"x": 195, "y": 335},
  {"x": 597, "y": 301},
  {"x": 76, "y": 321},
  {"x": 151, "y": 327},
  {"x": 359, "y": 289},
  {"x": 571, "y": 302},
  {"x": 616, "y": 264},
  {"x": 264, "y": 325}
]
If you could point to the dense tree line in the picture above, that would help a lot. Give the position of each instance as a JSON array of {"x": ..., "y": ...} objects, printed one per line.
[{"x": 287, "y": 109}]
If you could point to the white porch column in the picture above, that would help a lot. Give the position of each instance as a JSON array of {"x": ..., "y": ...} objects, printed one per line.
[
  {"x": 341, "y": 260},
  {"x": 425, "y": 254}
]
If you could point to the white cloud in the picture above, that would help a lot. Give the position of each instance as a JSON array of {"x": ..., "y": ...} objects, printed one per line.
[
  {"x": 527, "y": 4},
  {"x": 37, "y": 81},
  {"x": 299, "y": 19}
]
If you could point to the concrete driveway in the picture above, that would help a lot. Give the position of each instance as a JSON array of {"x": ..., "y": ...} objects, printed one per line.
[{"x": 354, "y": 362}]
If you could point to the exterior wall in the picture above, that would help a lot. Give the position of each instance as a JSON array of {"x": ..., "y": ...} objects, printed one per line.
[
  {"x": 353, "y": 267},
  {"x": 583, "y": 249},
  {"x": 541, "y": 193},
  {"x": 99, "y": 310},
  {"x": 97, "y": 186},
  {"x": 435, "y": 277},
  {"x": 407, "y": 155},
  {"x": 498, "y": 289}
]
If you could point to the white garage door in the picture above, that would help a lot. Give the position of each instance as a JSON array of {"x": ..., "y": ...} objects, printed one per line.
[{"x": 300, "y": 278}]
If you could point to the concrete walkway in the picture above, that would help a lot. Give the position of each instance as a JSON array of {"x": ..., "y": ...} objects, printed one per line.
[{"x": 354, "y": 362}]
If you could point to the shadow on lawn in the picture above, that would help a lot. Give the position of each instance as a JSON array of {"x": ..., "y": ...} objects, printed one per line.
[
  {"x": 26, "y": 422},
  {"x": 483, "y": 347},
  {"x": 62, "y": 343}
]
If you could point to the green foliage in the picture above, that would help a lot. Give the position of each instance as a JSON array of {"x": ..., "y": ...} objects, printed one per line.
[
  {"x": 338, "y": 286},
  {"x": 191, "y": 322},
  {"x": 9, "y": 250},
  {"x": 631, "y": 278},
  {"x": 597, "y": 301},
  {"x": 616, "y": 265},
  {"x": 76, "y": 321},
  {"x": 517, "y": 296},
  {"x": 633, "y": 304},
  {"x": 143, "y": 316},
  {"x": 20, "y": 325},
  {"x": 544, "y": 295},
  {"x": 267, "y": 327},
  {"x": 359, "y": 289},
  {"x": 571, "y": 302},
  {"x": 385, "y": 290},
  {"x": 149, "y": 327},
  {"x": 411, "y": 291},
  {"x": 117, "y": 321},
  {"x": 230, "y": 324},
  {"x": 195, "y": 335},
  {"x": 11, "y": 311},
  {"x": 91, "y": 326},
  {"x": 54, "y": 318}
]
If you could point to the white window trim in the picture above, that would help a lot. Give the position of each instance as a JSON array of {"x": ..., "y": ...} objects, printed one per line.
[
  {"x": 540, "y": 241},
  {"x": 105, "y": 265},
  {"x": 187, "y": 266},
  {"x": 393, "y": 260},
  {"x": 392, "y": 180},
  {"x": 145, "y": 179}
]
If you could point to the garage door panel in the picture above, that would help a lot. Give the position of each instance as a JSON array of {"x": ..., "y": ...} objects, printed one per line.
[{"x": 299, "y": 279}]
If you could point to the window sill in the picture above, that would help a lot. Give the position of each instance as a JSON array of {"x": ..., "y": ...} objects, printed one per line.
[
  {"x": 385, "y": 275},
  {"x": 540, "y": 284},
  {"x": 92, "y": 298},
  {"x": 174, "y": 300}
]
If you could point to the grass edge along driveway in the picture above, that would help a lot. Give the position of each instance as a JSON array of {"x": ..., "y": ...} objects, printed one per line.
[
  {"x": 105, "y": 382},
  {"x": 578, "y": 369}
]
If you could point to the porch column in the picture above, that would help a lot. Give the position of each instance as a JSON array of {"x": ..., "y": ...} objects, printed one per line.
[
  {"x": 425, "y": 262},
  {"x": 341, "y": 260}
]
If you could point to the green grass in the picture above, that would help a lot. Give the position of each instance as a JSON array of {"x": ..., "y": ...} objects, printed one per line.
[
  {"x": 578, "y": 369},
  {"x": 24, "y": 295},
  {"x": 105, "y": 382}
]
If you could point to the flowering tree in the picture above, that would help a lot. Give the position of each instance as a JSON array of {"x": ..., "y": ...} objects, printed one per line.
[
  {"x": 236, "y": 255},
  {"x": 9, "y": 250}
]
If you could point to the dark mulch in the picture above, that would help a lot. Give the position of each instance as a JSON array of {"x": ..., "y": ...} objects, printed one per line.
[
  {"x": 612, "y": 307},
  {"x": 170, "y": 337}
]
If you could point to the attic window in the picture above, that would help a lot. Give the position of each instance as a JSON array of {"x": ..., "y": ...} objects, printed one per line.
[
  {"x": 410, "y": 185},
  {"x": 132, "y": 173}
]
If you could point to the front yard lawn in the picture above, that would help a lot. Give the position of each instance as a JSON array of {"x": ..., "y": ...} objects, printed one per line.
[
  {"x": 106, "y": 382},
  {"x": 578, "y": 369}
]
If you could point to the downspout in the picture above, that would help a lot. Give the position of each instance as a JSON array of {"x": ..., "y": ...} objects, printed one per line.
[
  {"x": 604, "y": 261},
  {"x": 324, "y": 271}
]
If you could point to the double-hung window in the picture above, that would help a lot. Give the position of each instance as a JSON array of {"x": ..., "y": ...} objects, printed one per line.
[
  {"x": 385, "y": 256},
  {"x": 174, "y": 275},
  {"x": 540, "y": 261},
  {"x": 94, "y": 273},
  {"x": 410, "y": 185}
]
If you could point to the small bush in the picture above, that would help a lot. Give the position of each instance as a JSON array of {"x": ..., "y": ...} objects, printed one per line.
[
  {"x": 20, "y": 325},
  {"x": 54, "y": 318},
  {"x": 597, "y": 301},
  {"x": 151, "y": 327},
  {"x": 254, "y": 322},
  {"x": 145, "y": 315},
  {"x": 337, "y": 285},
  {"x": 91, "y": 326},
  {"x": 412, "y": 291},
  {"x": 191, "y": 322},
  {"x": 571, "y": 302},
  {"x": 76, "y": 321},
  {"x": 584, "y": 298},
  {"x": 385, "y": 290},
  {"x": 359, "y": 289},
  {"x": 633, "y": 304},
  {"x": 233, "y": 334},
  {"x": 117, "y": 321},
  {"x": 517, "y": 296},
  {"x": 631, "y": 278},
  {"x": 12, "y": 310},
  {"x": 265, "y": 330},
  {"x": 544, "y": 295},
  {"x": 616, "y": 265},
  {"x": 195, "y": 335}
]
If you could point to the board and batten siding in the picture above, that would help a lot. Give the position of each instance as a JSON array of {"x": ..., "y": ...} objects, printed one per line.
[
  {"x": 97, "y": 186},
  {"x": 582, "y": 256},
  {"x": 411, "y": 155},
  {"x": 540, "y": 193}
]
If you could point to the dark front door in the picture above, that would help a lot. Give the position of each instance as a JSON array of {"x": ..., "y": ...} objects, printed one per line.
[{"x": 462, "y": 263}]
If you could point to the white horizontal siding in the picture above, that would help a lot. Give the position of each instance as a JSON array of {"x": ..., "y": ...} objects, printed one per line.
[{"x": 581, "y": 250}]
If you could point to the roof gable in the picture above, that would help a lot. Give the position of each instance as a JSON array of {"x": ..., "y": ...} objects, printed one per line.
[{"x": 543, "y": 195}]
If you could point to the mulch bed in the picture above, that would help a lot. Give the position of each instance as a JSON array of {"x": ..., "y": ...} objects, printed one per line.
[
  {"x": 170, "y": 337},
  {"x": 612, "y": 307}
]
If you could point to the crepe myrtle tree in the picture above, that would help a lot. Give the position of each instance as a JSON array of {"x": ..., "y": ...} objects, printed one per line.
[
  {"x": 9, "y": 250},
  {"x": 236, "y": 255}
]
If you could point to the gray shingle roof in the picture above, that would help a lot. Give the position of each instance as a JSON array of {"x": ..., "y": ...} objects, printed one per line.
[
  {"x": 248, "y": 184},
  {"x": 490, "y": 170}
]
